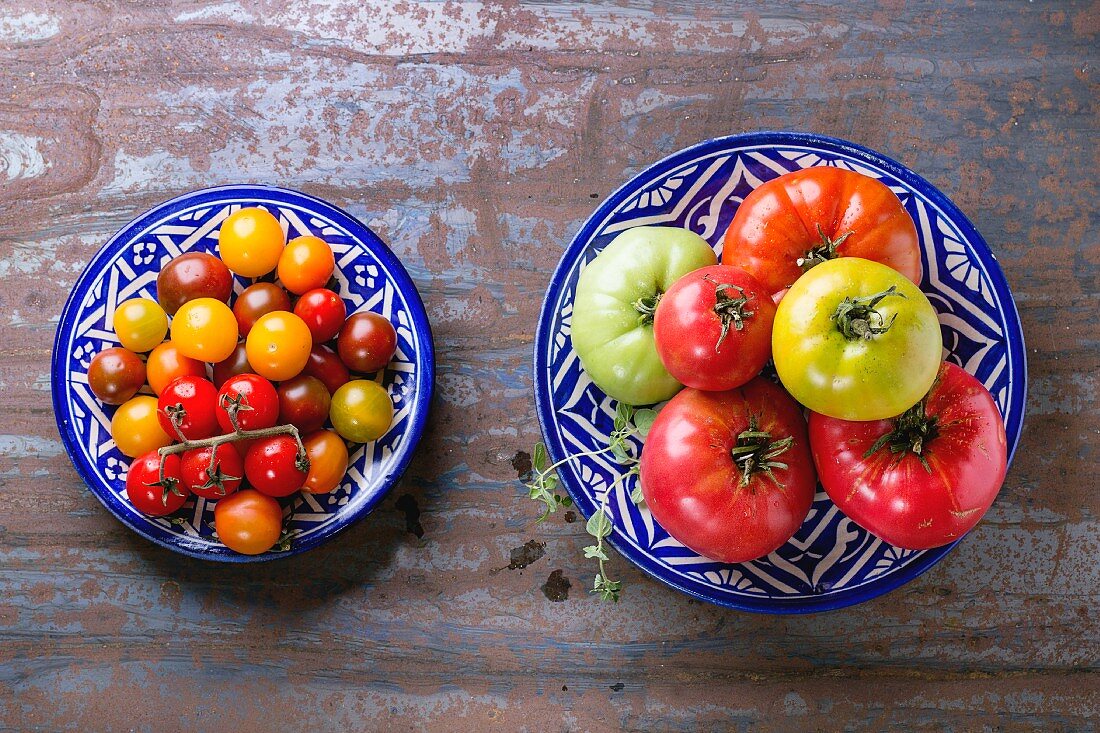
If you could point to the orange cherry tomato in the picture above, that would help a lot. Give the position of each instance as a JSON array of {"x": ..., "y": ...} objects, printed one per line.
[
  {"x": 278, "y": 345},
  {"x": 205, "y": 329},
  {"x": 140, "y": 324},
  {"x": 328, "y": 461},
  {"x": 136, "y": 429},
  {"x": 250, "y": 242},
  {"x": 166, "y": 362},
  {"x": 305, "y": 264},
  {"x": 248, "y": 522}
]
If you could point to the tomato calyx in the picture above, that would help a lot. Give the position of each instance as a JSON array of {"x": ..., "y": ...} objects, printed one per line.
[
  {"x": 912, "y": 432},
  {"x": 232, "y": 404},
  {"x": 176, "y": 415},
  {"x": 857, "y": 318},
  {"x": 216, "y": 478},
  {"x": 756, "y": 452},
  {"x": 823, "y": 252},
  {"x": 168, "y": 485},
  {"x": 646, "y": 307},
  {"x": 730, "y": 310}
]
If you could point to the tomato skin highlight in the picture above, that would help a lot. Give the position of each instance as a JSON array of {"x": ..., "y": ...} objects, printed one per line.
[
  {"x": 153, "y": 500},
  {"x": 248, "y": 522},
  {"x": 367, "y": 342},
  {"x": 193, "y": 275},
  {"x": 250, "y": 241},
  {"x": 323, "y": 311},
  {"x": 260, "y": 396},
  {"x": 115, "y": 375},
  {"x": 136, "y": 427},
  {"x": 271, "y": 466},
  {"x": 777, "y": 225},
  {"x": 892, "y": 495},
  {"x": 693, "y": 485},
  {"x": 306, "y": 263},
  {"x": 198, "y": 400},
  {"x": 689, "y": 332},
  {"x": 194, "y": 470},
  {"x": 328, "y": 461}
]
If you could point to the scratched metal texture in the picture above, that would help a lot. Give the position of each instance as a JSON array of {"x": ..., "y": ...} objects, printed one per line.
[{"x": 475, "y": 138}]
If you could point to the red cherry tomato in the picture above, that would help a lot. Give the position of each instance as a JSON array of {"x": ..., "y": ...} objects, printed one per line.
[
  {"x": 145, "y": 489},
  {"x": 367, "y": 342},
  {"x": 261, "y": 402},
  {"x": 326, "y": 365},
  {"x": 304, "y": 403},
  {"x": 115, "y": 375},
  {"x": 305, "y": 264},
  {"x": 223, "y": 479},
  {"x": 237, "y": 363},
  {"x": 729, "y": 474},
  {"x": 193, "y": 275},
  {"x": 713, "y": 328},
  {"x": 328, "y": 461},
  {"x": 256, "y": 301},
  {"x": 190, "y": 402},
  {"x": 922, "y": 479},
  {"x": 273, "y": 466},
  {"x": 323, "y": 311},
  {"x": 248, "y": 522}
]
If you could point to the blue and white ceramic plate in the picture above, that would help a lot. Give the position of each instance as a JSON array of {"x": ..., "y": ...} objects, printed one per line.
[
  {"x": 370, "y": 278},
  {"x": 830, "y": 562}
]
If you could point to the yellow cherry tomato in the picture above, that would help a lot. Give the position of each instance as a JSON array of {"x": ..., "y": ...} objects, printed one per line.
[
  {"x": 136, "y": 429},
  {"x": 306, "y": 263},
  {"x": 205, "y": 329},
  {"x": 140, "y": 324},
  {"x": 251, "y": 241},
  {"x": 361, "y": 411},
  {"x": 278, "y": 345}
]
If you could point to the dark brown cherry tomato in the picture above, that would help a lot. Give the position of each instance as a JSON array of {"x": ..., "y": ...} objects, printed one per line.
[
  {"x": 272, "y": 466},
  {"x": 190, "y": 401},
  {"x": 115, "y": 375},
  {"x": 304, "y": 403},
  {"x": 257, "y": 393},
  {"x": 323, "y": 311},
  {"x": 237, "y": 363},
  {"x": 367, "y": 342},
  {"x": 258, "y": 300},
  {"x": 144, "y": 490},
  {"x": 248, "y": 522},
  {"x": 222, "y": 480},
  {"x": 328, "y": 461},
  {"x": 326, "y": 365},
  {"x": 193, "y": 275}
]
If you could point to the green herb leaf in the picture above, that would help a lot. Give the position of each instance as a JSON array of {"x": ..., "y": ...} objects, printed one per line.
[
  {"x": 595, "y": 551},
  {"x": 636, "y": 495},
  {"x": 539, "y": 457},
  {"x": 599, "y": 524},
  {"x": 643, "y": 420}
]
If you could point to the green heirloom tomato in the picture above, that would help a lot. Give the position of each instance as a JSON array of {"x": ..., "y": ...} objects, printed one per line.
[
  {"x": 617, "y": 294},
  {"x": 856, "y": 340}
]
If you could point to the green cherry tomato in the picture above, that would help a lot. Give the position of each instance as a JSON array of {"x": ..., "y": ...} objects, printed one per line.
[
  {"x": 361, "y": 411},
  {"x": 854, "y": 339},
  {"x": 617, "y": 294},
  {"x": 140, "y": 324}
]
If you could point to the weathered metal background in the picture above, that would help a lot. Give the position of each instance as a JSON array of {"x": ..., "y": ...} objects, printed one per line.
[{"x": 475, "y": 138}]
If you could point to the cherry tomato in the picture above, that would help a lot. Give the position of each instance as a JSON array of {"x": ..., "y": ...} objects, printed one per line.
[
  {"x": 148, "y": 492},
  {"x": 361, "y": 411},
  {"x": 193, "y": 275},
  {"x": 212, "y": 483},
  {"x": 248, "y": 522},
  {"x": 729, "y": 474},
  {"x": 256, "y": 301},
  {"x": 136, "y": 427},
  {"x": 166, "y": 362},
  {"x": 205, "y": 329},
  {"x": 189, "y": 402},
  {"x": 304, "y": 403},
  {"x": 328, "y": 461},
  {"x": 326, "y": 365},
  {"x": 323, "y": 311},
  {"x": 115, "y": 375},
  {"x": 713, "y": 328},
  {"x": 250, "y": 242},
  {"x": 367, "y": 342},
  {"x": 237, "y": 363},
  {"x": 273, "y": 466},
  {"x": 305, "y": 264},
  {"x": 278, "y": 346},
  {"x": 254, "y": 391},
  {"x": 140, "y": 324}
]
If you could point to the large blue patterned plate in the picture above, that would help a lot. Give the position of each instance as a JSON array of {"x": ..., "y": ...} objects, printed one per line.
[
  {"x": 370, "y": 278},
  {"x": 830, "y": 562}
]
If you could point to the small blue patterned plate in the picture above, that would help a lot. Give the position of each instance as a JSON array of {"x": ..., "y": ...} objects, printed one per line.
[
  {"x": 830, "y": 562},
  {"x": 370, "y": 278}
]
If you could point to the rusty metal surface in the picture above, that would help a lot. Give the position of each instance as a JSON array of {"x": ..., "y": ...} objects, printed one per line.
[{"x": 475, "y": 138}]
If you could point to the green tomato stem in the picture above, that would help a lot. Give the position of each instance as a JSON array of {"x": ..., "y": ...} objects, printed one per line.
[{"x": 857, "y": 318}]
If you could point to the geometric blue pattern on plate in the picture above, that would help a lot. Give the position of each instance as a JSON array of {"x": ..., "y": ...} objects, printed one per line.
[
  {"x": 830, "y": 562},
  {"x": 370, "y": 278}
]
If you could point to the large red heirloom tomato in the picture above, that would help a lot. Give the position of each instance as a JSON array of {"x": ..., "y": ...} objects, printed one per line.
[
  {"x": 791, "y": 223},
  {"x": 729, "y": 474},
  {"x": 922, "y": 479}
]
